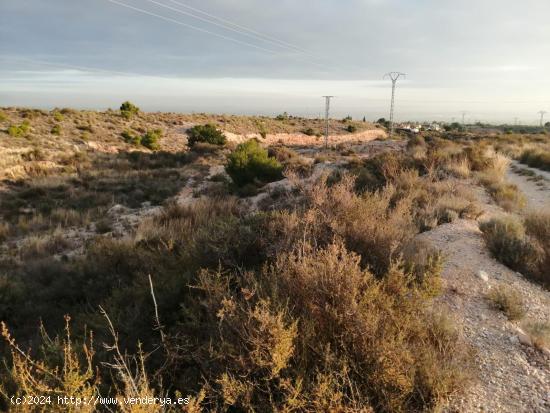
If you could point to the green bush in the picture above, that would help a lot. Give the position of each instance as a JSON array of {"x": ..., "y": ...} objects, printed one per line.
[
  {"x": 3, "y": 116},
  {"x": 128, "y": 110},
  {"x": 56, "y": 130},
  {"x": 283, "y": 116},
  {"x": 250, "y": 163},
  {"x": 19, "y": 130},
  {"x": 130, "y": 138},
  {"x": 309, "y": 132},
  {"x": 58, "y": 116},
  {"x": 151, "y": 139},
  {"x": 351, "y": 128},
  {"x": 205, "y": 134}
]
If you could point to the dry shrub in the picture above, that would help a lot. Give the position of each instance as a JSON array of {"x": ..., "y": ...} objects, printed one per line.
[
  {"x": 536, "y": 158},
  {"x": 458, "y": 169},
  {"x": 5, "y": 230},
  {"x": 506, "y": 195},
  {"x": 492, "y": 169},
  {"x": 62, "y": 370},
  {"x": 508, "y": 301},
  {"x": 374, "y": 225},
  {"x": 38, "y": 246},
  {"x": 425, "y": 264},
  {"x": 316, "y": 332},
  {"x": 508, "y": 242},
  {"x": 69, "y": 370},
  {"x": 538, "y": 228},
  {"x": 539, "y": 332}
]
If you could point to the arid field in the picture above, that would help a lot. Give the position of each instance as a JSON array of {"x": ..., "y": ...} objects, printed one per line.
[{"x": 236, "y": 263}]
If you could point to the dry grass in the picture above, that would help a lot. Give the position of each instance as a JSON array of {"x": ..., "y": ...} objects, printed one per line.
[
  {"x": 459, "y": 168},
  {"x": 508, "y": 301},
  {"x": 522, "y": 250},
  {"x": 538, "y": 228},
  {"x": 536, "y": 158},
  {"x": 44, "y": 245},
  {"x": 539, "y": 333}
]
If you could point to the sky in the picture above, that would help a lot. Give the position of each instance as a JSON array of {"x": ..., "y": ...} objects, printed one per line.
[{"x": 488, "y": 58}]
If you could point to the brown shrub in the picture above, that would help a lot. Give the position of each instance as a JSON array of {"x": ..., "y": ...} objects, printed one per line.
[
  {"x": 508, "y": 301},
  {"x": 507, "y": 241},
  {"x": 334, "y": 330}
]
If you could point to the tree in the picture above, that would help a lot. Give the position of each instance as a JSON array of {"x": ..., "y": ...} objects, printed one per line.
[{"x": 128, "y": 110}]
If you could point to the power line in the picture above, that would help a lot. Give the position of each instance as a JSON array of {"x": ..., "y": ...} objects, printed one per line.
[
  {"x": 228, "y": 25},
  {"x": 238, "y": 26},
  {"x": 77, "y": 67},
  {"x": 190, "y": 26},
  {"x": 200, "y": 29},
  {"x": 394, "y": 76}
]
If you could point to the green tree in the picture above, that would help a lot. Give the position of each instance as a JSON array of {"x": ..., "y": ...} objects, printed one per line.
[{"x": 128, "y": 110}]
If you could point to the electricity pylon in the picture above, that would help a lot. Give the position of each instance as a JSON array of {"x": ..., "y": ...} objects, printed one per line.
[
  {"x": 327, "y": 111},
  {"x": 393, "y": 76},
  {"x": 542, "y": 113}
]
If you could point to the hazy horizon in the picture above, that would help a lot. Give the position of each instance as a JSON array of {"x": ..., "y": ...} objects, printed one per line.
[{"x": 252, "y": 57}]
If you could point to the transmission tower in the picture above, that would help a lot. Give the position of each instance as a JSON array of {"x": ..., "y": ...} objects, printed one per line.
[
  {"x": 393, "y": 76},
  {"x": 463, "y": 117},
  {"x": 542, "y": 113},
  {"x": 327, "y": 111}
]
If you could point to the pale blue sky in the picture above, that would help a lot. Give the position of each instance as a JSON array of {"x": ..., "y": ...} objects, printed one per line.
[{"x": 487, "y": 57}]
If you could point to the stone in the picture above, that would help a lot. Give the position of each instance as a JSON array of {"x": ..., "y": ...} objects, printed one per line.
[
  {"x": 523, "y": 337},
  {"x": 482, "y": 275}
]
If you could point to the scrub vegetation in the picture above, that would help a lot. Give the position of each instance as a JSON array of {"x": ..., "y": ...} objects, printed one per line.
[{"x": 134, "y": 264}]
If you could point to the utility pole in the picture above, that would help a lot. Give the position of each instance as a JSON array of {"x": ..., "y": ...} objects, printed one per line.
[
  {"x": 463, "y": 117},
  {"x": 327, "y": 111},
  {"x": 393, "y": 76},
  {"x": 516, "y": 121},
  {"x": 542, "y": 113}
]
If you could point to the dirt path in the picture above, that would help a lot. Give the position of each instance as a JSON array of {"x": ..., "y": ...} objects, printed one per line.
[
  {"x": 513, "y": 377},
  {"x": 534, "y": 183}
]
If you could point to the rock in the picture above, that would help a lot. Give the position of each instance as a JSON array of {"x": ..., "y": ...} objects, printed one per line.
[
  {"x": 523, "y": 337},
  {"x": 117, "y": 210},
  {"x": 482, "y": 275}
]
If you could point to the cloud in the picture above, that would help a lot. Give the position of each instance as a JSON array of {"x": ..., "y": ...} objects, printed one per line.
[{"x": 474, "y": 50}]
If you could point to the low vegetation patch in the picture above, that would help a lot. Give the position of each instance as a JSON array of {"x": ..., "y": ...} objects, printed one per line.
[
  {"x": 18, "y": 131},
  {"x": 539, "y": 333},
  {"x": 308, "y": 308},
  {"x": 151, "y": 139},
  {"x": 508, "y": 301},
  {"x": 249, "y": 163},
  {"x": 523, "y": 251},
  {"x": 206, "y": 134},
  {"x": 536, "y": 159}
]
